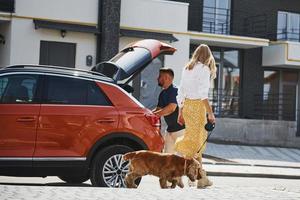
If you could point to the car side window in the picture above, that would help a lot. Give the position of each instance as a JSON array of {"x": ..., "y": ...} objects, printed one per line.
[
  {"x": 96, "y": 96},
  {"x": 18, "y": 89},
  {"x": 3, "y": 84},
  {"x": 74, "y": 91}
]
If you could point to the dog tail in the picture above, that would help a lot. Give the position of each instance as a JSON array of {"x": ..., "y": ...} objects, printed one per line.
[{"x": 129, "y": 156}]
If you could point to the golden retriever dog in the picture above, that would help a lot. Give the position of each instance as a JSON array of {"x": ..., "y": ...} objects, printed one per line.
[{"x": 168, "y": 167}]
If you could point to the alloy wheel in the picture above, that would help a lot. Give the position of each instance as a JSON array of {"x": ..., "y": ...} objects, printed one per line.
[{"x": 114, "y": 171}]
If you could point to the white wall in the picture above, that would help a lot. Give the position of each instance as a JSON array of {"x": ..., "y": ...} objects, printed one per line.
[
  {"x": 179, "y": 59},
  {"x": 256, "y": 132},
  {"x": 25, "y": 43},
  {"x": 67, "y": 10},
  {"x": 294, "y": 51},
  {"x": 154, "y": 14},
  {"x": 5, "y": 30},
  {"x": 273, "y": 55},
  {"x": 282, "y": 54}
]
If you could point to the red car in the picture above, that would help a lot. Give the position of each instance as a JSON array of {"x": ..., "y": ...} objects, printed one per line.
[{"x": 76, "y": 124}]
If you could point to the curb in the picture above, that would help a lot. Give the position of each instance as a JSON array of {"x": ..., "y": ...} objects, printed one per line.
[
  {"x": 253, "y": 175},
  {"x": 250, "y": 165}
]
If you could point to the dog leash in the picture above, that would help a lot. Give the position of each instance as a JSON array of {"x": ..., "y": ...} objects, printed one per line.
[
  {"x": 204, "y": 141},
  {"x": 209, "y": 127}
]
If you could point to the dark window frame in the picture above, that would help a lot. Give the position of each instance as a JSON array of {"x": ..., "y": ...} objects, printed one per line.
[
  {"x": 7, "y": 6},
  {"x": 37, "y": 93},
  {"x": 46, "y": 89},
  {"x": 287, "y": 36}
]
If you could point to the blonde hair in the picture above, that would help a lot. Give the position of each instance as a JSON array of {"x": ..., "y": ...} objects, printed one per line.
[{"x": 204, "y": 55}]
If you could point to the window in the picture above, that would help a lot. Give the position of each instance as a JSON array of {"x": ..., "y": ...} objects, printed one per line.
[
  {"x": 18, "y": 89},
  {"x": 57, "y": 53},
  {"x": 216, "y": 16},
  {"x": 224, "y": 92},
  {"x": 279, "y": 98},
  {"x": 3, "y": 84},
  {"x": 96, "y": 96},
  {"x": 288, "y": 26},
  {"x": 62, "y": 90},
  {"x": 270, "y": 95},
  {"x": 7, "y": 5}
]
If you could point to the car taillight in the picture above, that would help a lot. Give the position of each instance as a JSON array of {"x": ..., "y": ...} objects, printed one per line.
[{"x": 153, "y": 119}]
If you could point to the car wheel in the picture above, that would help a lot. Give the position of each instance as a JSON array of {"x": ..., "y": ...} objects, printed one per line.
[
  {"x": 109, "y": 169},
  {"x": 74, "y": 179}
]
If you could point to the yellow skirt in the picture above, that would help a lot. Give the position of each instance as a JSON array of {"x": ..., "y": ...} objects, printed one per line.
[{"x": 194, "y": 114}]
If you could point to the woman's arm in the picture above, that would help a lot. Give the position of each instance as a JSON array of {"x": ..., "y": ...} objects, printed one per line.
[
  {"x": 205, "y": 90},
  {"x": 180, "y": 99},
  {"x": 180, "y": 93},
  {"x": 210, "y": 113}
]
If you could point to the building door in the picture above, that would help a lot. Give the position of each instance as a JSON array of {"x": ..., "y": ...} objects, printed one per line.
[
  {"x": 280, "y": 95},
  {"x": 57, "y": 53},
  {"x": 289, "y": 93},
  {"x": 225, "y": 88},
  {"x": 214, "y": 93}
]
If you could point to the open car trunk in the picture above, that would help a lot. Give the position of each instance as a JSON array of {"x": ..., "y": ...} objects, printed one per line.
[{"x": 133, "y": 59}]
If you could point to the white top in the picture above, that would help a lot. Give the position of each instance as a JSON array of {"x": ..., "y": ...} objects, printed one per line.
[{"x": 194, "y": 83}]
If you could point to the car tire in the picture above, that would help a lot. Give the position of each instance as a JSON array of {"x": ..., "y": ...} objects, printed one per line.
[
  {"x": 74, "y": 179},
  {"x": 108, "y": 169}
]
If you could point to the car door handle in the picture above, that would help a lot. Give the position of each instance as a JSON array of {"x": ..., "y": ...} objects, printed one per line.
[
  {"x": 134, "y": 113},
  {"x": 26, "y": 119},
  {"x": 106, "y": 120}
]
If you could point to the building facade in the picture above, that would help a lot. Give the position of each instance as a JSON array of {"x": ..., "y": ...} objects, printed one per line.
[
  {"x": 257, "y": 49},
  {"x": 65, "y": 33}
]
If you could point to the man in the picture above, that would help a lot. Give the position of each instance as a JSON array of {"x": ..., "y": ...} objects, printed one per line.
[{"x": 167, "y": 107}]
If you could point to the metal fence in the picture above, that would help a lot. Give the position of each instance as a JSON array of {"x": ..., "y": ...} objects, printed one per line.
[
  {"x": 276, "y": 106},
  {"x": 225, "y": 103},
  {"x": 289, "y": 34},
  {"x": 216, "y": 20}
]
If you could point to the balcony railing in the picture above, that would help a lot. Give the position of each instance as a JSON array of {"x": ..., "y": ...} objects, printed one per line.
[
  {"x": 290, "y": 35},
  {"x": 216, "y": 20},
  {"x": 219, "y": 21},
  {"x": 7, "y": 6}
]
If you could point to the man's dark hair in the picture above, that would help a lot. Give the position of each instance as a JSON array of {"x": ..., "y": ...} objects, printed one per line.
[{"x": 167, "y": 71}]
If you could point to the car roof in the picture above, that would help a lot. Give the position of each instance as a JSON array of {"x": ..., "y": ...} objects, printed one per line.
[{"x": 55, "y": 70}]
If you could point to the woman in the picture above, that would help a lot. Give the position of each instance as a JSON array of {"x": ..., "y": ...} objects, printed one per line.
[{"x": 193, "y": 105}]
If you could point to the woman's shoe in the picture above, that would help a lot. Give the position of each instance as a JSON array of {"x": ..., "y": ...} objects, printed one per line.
[{"x": 204, "y": 181}]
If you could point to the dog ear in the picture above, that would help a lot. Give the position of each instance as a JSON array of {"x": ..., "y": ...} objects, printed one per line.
[{"x": 199, "y": 174}]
